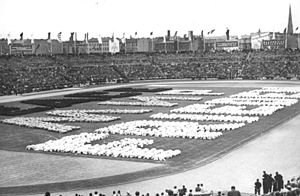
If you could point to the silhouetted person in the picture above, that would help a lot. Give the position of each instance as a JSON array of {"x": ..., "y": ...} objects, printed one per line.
[
  {"x": 47, "y": 194},
  {"x": 257, "y": 187},
  {"x": 270, "y": 183},
  {"x": 265, "y": 182},
  {"x": 198, "y": 188},
  {"x": 278, "y": 185}
]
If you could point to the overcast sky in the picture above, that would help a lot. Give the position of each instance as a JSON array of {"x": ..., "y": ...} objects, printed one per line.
[{"x": 38, "y": 17}]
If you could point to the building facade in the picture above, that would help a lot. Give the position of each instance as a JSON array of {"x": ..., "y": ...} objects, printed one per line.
[
  {"x": 131, "y": 45},
  {"x": 144, "y": 45},
  {"x": 4, "y": 47},
  {"x": 21, "y": 47}
]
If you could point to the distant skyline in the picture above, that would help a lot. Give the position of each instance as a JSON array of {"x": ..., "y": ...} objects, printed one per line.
[{"x": 105, "y": 17}]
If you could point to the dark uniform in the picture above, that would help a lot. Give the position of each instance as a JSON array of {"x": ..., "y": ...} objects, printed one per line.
[
  {"x": 278, "y": 185},
  {"x": 257, "y": 187},
  {"x": 265, "y": 182}
]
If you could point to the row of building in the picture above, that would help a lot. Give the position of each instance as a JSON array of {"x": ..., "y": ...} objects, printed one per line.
[{"x": 169, "y": 44}]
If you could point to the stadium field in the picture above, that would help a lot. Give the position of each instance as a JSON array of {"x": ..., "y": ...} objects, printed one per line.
[{"x": 46, "y": 171}]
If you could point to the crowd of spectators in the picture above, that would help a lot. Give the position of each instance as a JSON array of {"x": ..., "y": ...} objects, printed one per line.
[
  {"x": 199, "y": 190},
  {"x": 24, "y": 74},
  {"x": 276, "y": 187}
]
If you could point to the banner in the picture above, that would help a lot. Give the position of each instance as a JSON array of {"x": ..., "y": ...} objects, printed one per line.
[
  {"x": 273, "y": 43},
  {"x": 21, "y": 49},
  {"x": 227, "y": 44},
  {"x": 114, "y": 46}
]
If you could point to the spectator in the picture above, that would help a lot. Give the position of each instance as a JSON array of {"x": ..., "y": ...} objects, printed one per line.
[
  {"x": 270, "y": 183},
  {"x": 175, "y": 191},
  {"x": 128, "y": 193},
  {"x": 47, "y": 193},
  {"x": 198, "y": 188},
  {"x": 170, "y": 192},
  {"x": 278, "y": 185},
  {"x": 233, "y": 192},
  {"x": 257, "y": 187},
  {"x": 182, "y": 191},
  {"x": 265, "y": 182}
]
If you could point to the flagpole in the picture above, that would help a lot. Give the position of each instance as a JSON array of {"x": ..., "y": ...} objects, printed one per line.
[
  {"x": 51, "y": 49},
  {"x": 75, "y": 42},
  {"x": 203, "y": 44},
  {"x": 101, "y": 46},
  {"x": 165, "y": 44},
  {"x": 125, "y": 46},
  {"x": 177, "y": 44},
  {"x": 124, "y": 38},
  {"x": 152, "y": 41},
  {"x": 152, "y": 44},
  {"x": 298, "y": 37},
  {"x": 286, "y": 40},
  {"x": 298, "y": 40}
]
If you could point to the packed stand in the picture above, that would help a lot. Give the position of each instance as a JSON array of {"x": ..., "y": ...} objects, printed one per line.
[{"x": 26, "y": 74}]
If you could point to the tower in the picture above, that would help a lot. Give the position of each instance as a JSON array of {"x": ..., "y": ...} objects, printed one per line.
[
  {"x": 290, "y": 23},
  {"x": 291, "y": 40}
]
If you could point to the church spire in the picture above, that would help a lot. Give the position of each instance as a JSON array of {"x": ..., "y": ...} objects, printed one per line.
[{"x": 290, "y": 23}]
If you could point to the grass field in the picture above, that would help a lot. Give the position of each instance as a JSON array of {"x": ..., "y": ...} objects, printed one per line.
[{"x": 194, "y": 152}]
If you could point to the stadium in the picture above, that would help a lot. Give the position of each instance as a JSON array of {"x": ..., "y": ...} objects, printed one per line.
[{"x": 194, "y": 115}]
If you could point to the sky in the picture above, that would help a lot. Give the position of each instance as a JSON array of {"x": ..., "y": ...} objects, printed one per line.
[{"x": 104, "y": 17}]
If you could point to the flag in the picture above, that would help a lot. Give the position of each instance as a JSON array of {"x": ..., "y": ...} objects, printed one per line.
[
  {"x": 100, "y": 39},
  {"x": 135, "y": 34},
  {"x": 8, "y": 39},
  {"x": 191, "y": 36},
  {"x": 123, "y": 38},
  {"x": 202, "y": 34},
  {"x": 113, "y": 37},
  {"x": 59, "y": 37},
  {"x": 71, "y": 39},
  {"x": 175, "y": 35},
  {"x": 49, "y": 37},
  {"x": 21, "y": 36},
  {"x": 296, "y": 28},
  {"x": 211, "y": 32},
  {"x": 32, "y": 38},
  {"x": 227, "y": 34},
  {"x": 37, "y": 47},
  {"x": 86, "y": 38},
  {"x": 284, "y": 31},
  {"x": 208, "y": 33},
  {"x": 151, "y": 33}
]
